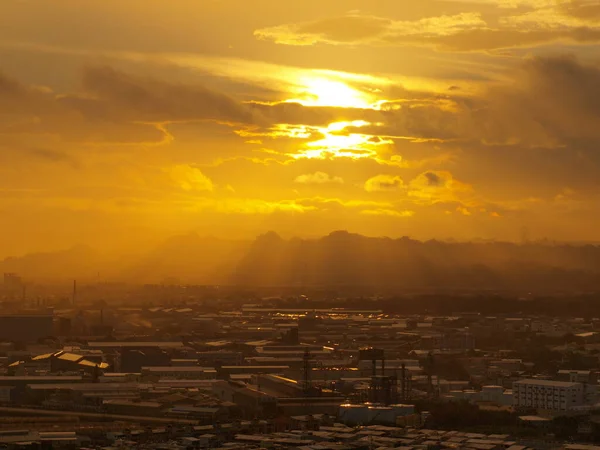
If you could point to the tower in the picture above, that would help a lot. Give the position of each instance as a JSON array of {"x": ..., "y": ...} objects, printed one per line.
[{"x": 306, "y": 373}]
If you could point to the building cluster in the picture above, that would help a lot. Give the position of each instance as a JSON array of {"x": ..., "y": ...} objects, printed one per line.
[{"x": 315, "y": 378}]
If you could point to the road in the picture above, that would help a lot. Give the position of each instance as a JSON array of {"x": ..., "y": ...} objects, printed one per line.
[{"x": 85, "y": 415}]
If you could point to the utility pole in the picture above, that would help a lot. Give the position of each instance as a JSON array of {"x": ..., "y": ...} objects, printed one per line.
[
  {"x": 74, "y": 298},
  {"x": 257, "y": 412},
  {"x": 307, "y": 373},
  {"x": 306, "y": 379}
]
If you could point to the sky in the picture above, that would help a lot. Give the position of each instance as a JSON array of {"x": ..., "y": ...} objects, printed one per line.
[{"x": 125, "y": 122}]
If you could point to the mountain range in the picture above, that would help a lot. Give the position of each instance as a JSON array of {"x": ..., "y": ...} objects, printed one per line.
[{"x": 338, "y": 259}]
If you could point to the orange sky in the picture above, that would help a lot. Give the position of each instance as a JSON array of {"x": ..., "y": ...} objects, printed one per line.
[{"x": 124, "y": 122}]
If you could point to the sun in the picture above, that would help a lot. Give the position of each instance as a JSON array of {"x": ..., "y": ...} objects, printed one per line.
[{"x": 319, "y": 91}]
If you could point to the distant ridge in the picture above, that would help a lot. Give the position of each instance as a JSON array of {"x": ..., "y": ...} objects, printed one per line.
[
  {"x": 343, "y": 258},
  {"x": 338, "y": 259}
]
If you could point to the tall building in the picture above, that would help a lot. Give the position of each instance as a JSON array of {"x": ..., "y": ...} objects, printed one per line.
[
  {"x": 548, "y": 395},
  {"x": 13, "y": 284}
]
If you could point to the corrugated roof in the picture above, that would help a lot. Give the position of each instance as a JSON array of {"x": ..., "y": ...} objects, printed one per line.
[
  {"x": 70, "y": 357},
  {"x": 41, "y": 357},
  {"x": 87, "y": 363}
]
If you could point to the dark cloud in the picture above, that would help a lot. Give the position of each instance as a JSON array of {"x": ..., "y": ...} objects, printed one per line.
[
  {"x": 550, "y": 102},
  {"x": 433, "y": 179},
  {"x": 582, "y": 9},
  {"x": 427, "y": 120},
  {"x": 51, "y": 155},
  {"x": 534, "y": 135},
  {"x": 113, "y": 107},
  {"x": 9, "y": 87},
  {"x": 158, "y": 101},
  {"x": 13, "y": 147},
  {"x": 295, "y": 113},
  {"x": 383, "y": 183}
]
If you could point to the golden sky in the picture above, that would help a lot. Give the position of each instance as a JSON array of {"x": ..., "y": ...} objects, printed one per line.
[{"x": 124, "y": 122}]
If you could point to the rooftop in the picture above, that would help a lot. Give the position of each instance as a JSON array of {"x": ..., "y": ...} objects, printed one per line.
[
  {"x": 135, "y": 344},
  {"x": 549, "y": 383},
  {"x": 178, "y": 369}
]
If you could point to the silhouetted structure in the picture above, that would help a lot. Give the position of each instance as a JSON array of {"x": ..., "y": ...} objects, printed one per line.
[
  {"x": 13, "y": 285},
  {"x": 384, "y": 388},
  {"x": 307, "y": 368}
]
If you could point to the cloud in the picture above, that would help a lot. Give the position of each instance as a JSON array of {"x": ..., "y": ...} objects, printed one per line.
[
  {"x": 433, "y": 179},
  {"x": 112, "y": 108},
  {"x": 318, "y": 178},
  {"x": 337, "y": 205},
  {"x": 15, "y": 147},
  {"x": 254, "y": 206},
  {"x": 387, "y": 212},
  {"x": 356, "y": 28},
  {"x": 485, "y": 135},
  {"x": 542, "y": 22},
  {"x": 190, "y": 178},
  {"x": 550, "y": 102},
  {"x": 383, "y": 183},
  {"x": 464, "y": 211},
  {"x": 10, "y": 88},
  {"x": 547, "y": 102},
  {"x": 540, "y": 123},
  {"x": 146, "y": 99},
  {"x": 562, "y": 15},
  {"x": 544, "y": 102},
  {"x": 433, "y": 187},
  {"x": 583, "y": 9}
]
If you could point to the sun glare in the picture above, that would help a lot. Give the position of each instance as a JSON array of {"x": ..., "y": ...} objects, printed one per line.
[
  {"x": 339, "y": 145},
  {"x": 325, "y": 92}
]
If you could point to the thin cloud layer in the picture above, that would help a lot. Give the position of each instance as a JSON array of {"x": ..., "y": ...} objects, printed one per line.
[
  {"x": 355, "y": 28},
  {"x": 318, "y": 178},
  {"x": 515, "y": 24}
]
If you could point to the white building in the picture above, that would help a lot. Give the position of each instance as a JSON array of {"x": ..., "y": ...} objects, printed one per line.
[
  {"x": 578, "y": 376},
  {"x": 548, "y": 395}
]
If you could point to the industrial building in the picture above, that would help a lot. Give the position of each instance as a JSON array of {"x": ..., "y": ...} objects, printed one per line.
[
  {"x": 548, "y": 395},
  {"x": 26, "y": 327}
]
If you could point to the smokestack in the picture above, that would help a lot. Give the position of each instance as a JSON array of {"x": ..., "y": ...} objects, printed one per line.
[
  {"x": 74, "y": 291},
  {"x": 403, "y": 382}
]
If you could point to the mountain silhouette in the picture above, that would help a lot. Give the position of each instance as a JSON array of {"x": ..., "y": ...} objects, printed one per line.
[
  {"x": 338, "y": 259},
  {"x": 346, "y": 259},
  {"x": 78, "y": 261}
]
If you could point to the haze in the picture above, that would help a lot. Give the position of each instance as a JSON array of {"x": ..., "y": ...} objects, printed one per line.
[{"x": 125, "y": 123}]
